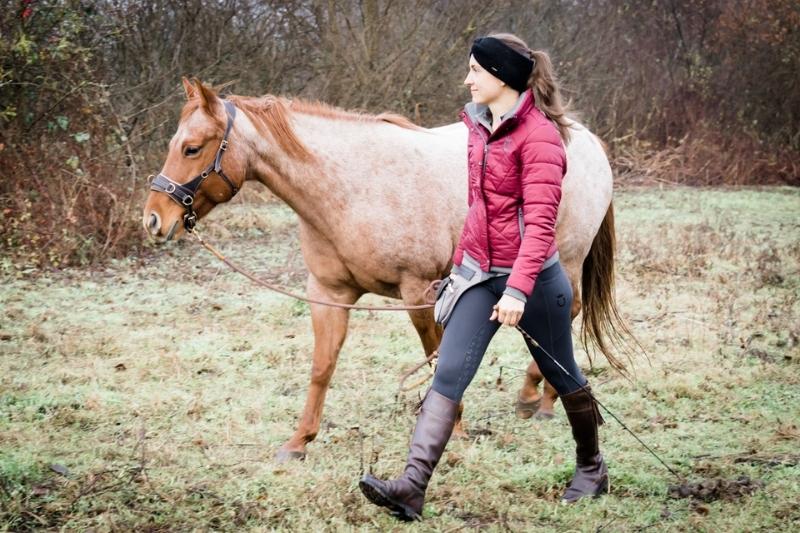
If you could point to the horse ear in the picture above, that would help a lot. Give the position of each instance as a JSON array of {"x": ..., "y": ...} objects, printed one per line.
[
  {"x": 191, "y": 90},
  {"x": 208, "y": 98}
]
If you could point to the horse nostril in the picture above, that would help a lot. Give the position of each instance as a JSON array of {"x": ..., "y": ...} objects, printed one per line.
[{"x": 154, "y": 224}]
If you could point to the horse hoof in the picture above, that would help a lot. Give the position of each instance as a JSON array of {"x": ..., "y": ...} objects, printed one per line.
[
  {"x": 284, "y": 456},
  {"x": 460, "y": 434},
  {"x": 525, "y": 410},
  {"x": 544, "y": 415}
]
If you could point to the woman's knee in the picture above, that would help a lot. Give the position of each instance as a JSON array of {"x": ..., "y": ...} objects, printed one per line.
[{"x": 447, "y": 385}]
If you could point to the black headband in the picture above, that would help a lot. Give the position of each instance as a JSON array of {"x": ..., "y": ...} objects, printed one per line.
[{"x": 503, "y": 62}]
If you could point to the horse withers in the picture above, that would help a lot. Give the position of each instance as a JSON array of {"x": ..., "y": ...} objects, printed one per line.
[{"x": 360, "y": 184}]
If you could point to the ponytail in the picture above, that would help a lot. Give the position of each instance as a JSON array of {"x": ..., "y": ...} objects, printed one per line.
[
  {"x": 544, "y": 84},
  {"x": 548, "y": 96}
]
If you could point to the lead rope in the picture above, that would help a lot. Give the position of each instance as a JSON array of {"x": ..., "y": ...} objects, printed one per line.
[
  {"x": 426, "y": 295},
  {"x": 606, "y": 409}
]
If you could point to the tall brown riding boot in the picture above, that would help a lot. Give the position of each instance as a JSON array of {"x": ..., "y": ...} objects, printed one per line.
[
  {"x": 404, "y": 496},
  {"x": 591, "y": 473}
]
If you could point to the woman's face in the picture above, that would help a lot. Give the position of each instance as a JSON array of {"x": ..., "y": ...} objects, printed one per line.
[{"x": 483, "y": 86}]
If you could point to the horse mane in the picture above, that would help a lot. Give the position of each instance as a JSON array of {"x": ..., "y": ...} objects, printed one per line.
[
  {"x": 271, "y": 114},
  {"x": 321, "y": 109}
]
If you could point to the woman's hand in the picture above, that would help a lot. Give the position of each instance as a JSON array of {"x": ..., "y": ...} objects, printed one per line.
[{"x": 508, "y": 310}]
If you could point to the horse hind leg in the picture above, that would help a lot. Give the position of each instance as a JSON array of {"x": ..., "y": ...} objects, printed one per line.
[
  {"x": 429, "y": 332},
  {"x": 550, "y": 395},
  {"x": 529, "y": 402},
  {"x": 330, "y": 329}
]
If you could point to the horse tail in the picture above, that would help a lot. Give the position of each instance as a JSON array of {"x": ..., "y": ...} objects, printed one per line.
[{"x": 602, "y": 326}]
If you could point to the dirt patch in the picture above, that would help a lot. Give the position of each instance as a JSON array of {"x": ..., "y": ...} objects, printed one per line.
[
  {"x": 709, "y": 490},
  {"x": 786, "y": 459}
]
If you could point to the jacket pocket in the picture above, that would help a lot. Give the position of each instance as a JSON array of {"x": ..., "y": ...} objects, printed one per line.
[{"x": 521, "y": 221}]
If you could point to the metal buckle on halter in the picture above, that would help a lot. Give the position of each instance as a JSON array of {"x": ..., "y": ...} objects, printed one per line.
[
  {"x": 170, "y": 188},
  {"x": 189, "y": 221},
  {"x": 204, "y": 174},
  {"x": 187, "y": 200},
  {"x": 224, "y": 144}
]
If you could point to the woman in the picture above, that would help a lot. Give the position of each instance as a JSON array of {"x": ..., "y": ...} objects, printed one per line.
[{"x": 517, "y": 131}]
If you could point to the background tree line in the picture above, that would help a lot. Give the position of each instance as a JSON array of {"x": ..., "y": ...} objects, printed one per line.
[{"x": 687, "y": 91}]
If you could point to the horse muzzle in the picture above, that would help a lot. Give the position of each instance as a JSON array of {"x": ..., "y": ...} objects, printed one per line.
[{"x": 153, "y": 226}]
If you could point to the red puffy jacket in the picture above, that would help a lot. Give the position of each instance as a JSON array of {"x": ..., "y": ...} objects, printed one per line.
[{"x": 515, "y": 178}]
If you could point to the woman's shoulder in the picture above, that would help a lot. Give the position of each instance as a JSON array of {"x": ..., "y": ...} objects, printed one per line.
[{"x": 536, "y": 127}]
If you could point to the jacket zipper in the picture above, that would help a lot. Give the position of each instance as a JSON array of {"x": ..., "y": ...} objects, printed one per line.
[
  {"x": 485, "y": 203},
  {"x": 483, "y": 193}
]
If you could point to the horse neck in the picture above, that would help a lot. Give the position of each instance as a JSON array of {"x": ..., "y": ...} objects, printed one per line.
[{"x": 321, "y": 190}]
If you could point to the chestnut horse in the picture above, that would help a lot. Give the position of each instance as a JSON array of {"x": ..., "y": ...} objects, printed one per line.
[{"x": 381, "y": 203}]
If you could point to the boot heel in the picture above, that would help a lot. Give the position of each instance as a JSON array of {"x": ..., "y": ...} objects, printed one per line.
[
  {"x": 405, "y": 496},
  {"x": 372, "y": 488},
  {"x": 605, "y": 487}
]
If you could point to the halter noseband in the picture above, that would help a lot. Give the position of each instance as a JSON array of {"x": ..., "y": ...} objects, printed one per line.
[{"x": 183, "y": 194}]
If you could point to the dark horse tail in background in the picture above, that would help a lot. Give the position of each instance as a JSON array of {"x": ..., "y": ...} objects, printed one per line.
[{"x": 361, "y": 187}]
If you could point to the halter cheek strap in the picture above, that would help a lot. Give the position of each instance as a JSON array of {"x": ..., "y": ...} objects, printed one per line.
[{"x": 184, "y": 193}]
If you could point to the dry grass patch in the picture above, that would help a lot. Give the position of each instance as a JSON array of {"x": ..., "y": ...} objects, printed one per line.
[{"x": 152, "y": 394}]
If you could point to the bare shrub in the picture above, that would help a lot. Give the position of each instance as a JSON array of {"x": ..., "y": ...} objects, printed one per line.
[
  {"x": 686, "y": 91},
  {"x": 70, "y": 187},
  {"x": 709, "y": 157}
]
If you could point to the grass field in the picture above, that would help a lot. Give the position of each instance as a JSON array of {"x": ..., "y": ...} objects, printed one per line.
[{"x": 151, "y": 394}]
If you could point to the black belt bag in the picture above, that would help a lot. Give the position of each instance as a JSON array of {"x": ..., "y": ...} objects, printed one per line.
[{"x": 462, "y": 277}]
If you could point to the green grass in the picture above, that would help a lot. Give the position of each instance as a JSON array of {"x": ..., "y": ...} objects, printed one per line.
[{"x": 164, "y": 385}]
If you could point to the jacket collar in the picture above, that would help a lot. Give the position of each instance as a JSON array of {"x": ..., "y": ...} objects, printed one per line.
[{"x": 479, "y": 113}]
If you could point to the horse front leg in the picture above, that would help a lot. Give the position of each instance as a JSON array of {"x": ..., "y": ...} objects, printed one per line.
[{"x": 330, "y": 329}]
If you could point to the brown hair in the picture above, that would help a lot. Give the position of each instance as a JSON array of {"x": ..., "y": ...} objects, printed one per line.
[{"x": 543, "y": 82}]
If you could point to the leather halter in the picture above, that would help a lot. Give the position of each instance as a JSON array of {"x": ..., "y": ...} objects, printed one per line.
[{"x": 183, "y": 193}]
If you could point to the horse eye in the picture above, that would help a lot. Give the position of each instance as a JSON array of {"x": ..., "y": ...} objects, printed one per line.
[{"x": 191, "y": 150}]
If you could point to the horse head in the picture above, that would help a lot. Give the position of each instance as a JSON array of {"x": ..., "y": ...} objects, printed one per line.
[{"x": 203, "y": 167}]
